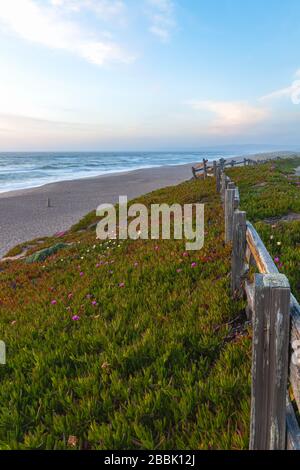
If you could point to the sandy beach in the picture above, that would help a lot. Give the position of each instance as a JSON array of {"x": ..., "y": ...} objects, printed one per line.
[{"x": 24, "y": 214}]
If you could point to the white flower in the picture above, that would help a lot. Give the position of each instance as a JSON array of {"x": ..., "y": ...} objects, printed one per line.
[{"x": 279, "y": 243}]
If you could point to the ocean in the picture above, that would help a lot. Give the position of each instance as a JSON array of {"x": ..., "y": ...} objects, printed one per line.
[{"x": 29, "y": 170}]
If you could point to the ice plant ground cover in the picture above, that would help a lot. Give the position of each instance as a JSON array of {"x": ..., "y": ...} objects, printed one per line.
[
  {"x": 156, "y": 363},
  {"x": 269, "y": 193},
  {"x": 137, "y": 345}
]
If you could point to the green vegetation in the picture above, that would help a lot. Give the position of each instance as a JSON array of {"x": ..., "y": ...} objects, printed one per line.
[
  {"x": 138, "y": 345},
  {"x": 42, "y": 255},
  {"x": 269, "y": 193},
  {"x": 125, "y": 345}
]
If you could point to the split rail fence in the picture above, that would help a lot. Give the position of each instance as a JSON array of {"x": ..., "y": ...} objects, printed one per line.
[{"x": 275, "y": 316}]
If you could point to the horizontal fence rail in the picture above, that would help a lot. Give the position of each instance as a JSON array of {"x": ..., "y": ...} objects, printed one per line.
[
  {"x": 209, "y": 169},
  {"x": 275, "y": 316}
]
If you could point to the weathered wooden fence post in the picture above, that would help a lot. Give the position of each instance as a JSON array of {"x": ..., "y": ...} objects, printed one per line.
[
  {"x": 223, "y": 187},
  {"x": 293, "y": 431},
  {"x": 237, "y": 198},
  {"x": 204, "y": 168},
  {"x": 229, "y": 209},
  {"x": 271, "y": 328},
  {"x": 218, "y": 180},
  {"x": 215, "y": 168},
  {"x": 238, "y": 251}
]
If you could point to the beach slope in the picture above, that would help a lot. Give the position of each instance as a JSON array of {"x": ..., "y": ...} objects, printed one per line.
[{"x": 24, "y": 214}]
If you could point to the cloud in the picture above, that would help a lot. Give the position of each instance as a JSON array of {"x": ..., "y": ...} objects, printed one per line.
[
  {"x": 162, "y": 17},
  {"x": 231, "y": 115},
  {"x": 292, "y": 92},
  {"x": 105, "y": 9},
  {"x": 46, "y": 25},
  {"x": 15, "y": 122},
  {"x": 19, "y": 132},
  {"x": 283, "y": 92}
]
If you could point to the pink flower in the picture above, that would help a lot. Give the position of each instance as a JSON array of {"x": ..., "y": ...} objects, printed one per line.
[
  {"x": 60, "y": 234},
  {"x": 179, "y": 271},
  {"x": 194, "y": 265},
  {"x": 70, "y": 296},
  {"x": 156, "y": 248},
  {"x": 185, "y": 255},
  {"x": 98, "y": 265},
  {"x": 122, "y": 284},
  {"x": 136, "y": 265},
  {"x": 277, "y": 260},
  {"x": 76, "y": 318},
  {"x": 81, "y": 274},
  {"x": 94, "y": 303},
  {"x": 53, "y": 302}
]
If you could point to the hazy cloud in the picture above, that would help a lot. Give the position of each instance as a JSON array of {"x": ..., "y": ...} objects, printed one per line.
[
  {"x": 162, "y": 18},
  {"x": 291, "y": 92},
  {"x": 46, "y": 25},
  {"x": 105, "y": 9},
  {"x": 231, "y": 116}
]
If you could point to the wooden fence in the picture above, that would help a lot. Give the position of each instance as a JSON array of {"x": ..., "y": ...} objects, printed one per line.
[
  {"x": 275, "y": 316},
  {"x": 205, "y": 169}
]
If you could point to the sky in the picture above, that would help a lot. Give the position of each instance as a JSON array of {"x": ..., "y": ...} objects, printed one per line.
[{"x": 148, "y": 74}]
